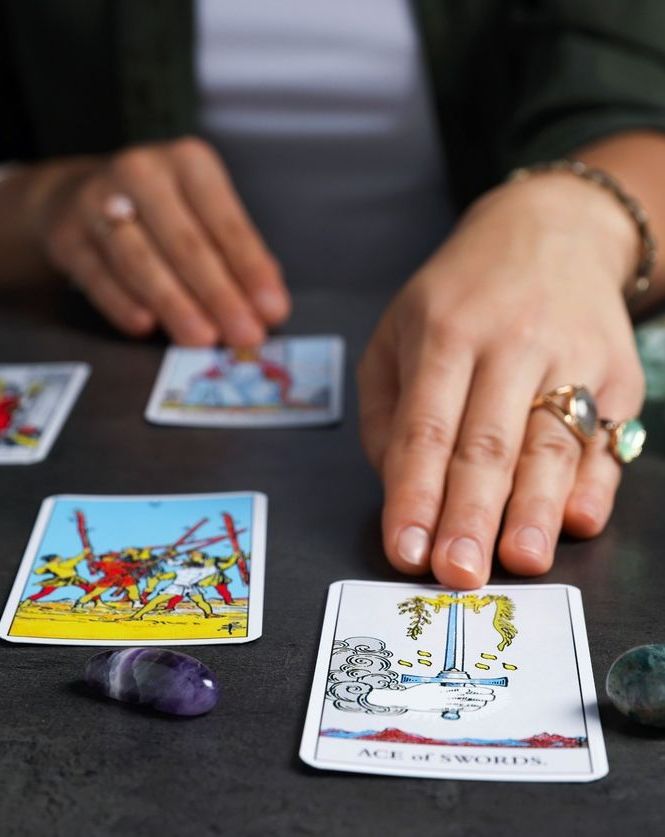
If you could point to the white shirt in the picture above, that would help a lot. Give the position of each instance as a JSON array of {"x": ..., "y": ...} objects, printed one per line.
[{"x": 320, "y": 111}]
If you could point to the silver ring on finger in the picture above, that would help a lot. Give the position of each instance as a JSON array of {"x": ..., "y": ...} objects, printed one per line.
[
  {"x": 574, "y": 406},
  {"x": 118, "y": 209}
]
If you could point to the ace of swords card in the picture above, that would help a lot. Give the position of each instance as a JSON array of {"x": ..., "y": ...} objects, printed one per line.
[
  {"x": 492, "y": 684},
  {"x": 286, "y": 382},
  {"x": 141, "y": 570}
]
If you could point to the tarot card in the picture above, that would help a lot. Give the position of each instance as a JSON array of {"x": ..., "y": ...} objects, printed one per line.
[
  {"x": 141, "y": 570},
  {"x": 35, "y": 400},
  {"x": 289, "y": 381},
  {"x": 415, "y": 680}
]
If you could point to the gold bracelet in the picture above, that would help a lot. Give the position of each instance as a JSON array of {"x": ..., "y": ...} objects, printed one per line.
[{"x": 648, "y": 250}]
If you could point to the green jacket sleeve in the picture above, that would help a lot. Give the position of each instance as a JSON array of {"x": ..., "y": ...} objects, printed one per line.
[
  {"x": 517, "y": 81},
  {"x": 13, "y": 119},
  {"x": 586, "y": 69},
  {"x": 90, "y": 76},
  {"x": 514, "y": 81}
]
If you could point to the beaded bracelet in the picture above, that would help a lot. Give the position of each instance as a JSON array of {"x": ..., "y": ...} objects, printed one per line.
[{"x": 601, "y": 178}]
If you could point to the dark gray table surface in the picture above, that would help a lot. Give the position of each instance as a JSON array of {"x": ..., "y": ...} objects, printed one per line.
[{"x": 73, "y": 765}]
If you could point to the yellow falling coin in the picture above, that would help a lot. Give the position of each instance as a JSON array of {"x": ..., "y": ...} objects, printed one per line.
[
  {"x": 424, "y": 654},
  {"x": 425, "y": 662},
  {"x": 509, "y": 667},
  {"x": 484, "y": 666},
  {"x": 488, "y": 656},
  {"x": 405, "y": 663}
]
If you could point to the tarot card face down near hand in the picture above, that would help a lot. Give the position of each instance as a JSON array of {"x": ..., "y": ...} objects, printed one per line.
[
  {"x": 35, "y": 400},
  {"x": 289, "y": 381},
  {"x": 415, "y": 680},
  {"x": 147, "y": 570}
]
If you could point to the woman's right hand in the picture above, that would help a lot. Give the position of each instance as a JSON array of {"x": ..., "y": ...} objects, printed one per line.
[{"x": 190, "y": 262}]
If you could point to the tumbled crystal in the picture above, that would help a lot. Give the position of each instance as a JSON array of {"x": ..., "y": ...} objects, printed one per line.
[
  {"x": 630, "y": 438},
  {"x": 585, "y": 411},
  {"x": 164, "y": 680},
  {"x": 636, "y": 684}
]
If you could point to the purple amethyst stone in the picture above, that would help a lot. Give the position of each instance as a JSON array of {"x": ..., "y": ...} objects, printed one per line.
[{"x": 164, "y": 680}]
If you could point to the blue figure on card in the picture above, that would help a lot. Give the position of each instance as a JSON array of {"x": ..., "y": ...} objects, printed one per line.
[{"x": 241, "y": 378}]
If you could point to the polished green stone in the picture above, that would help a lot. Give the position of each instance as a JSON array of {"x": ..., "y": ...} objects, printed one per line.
[
  {"x": 636, "y": 684},
  {"x": 630, "y": 440},
  {"x": 651, "y": 345}
]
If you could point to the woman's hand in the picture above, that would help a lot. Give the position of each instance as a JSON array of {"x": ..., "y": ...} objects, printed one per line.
[
  {"x": 191, "y": 262},
  {"x": 524, "y": 297}
]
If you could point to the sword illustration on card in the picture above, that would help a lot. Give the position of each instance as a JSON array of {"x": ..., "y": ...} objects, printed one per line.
[{"x": 453, "y": 673}]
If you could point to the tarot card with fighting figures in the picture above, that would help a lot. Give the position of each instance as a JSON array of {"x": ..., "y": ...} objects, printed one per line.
[
  {"x": 35, "y": 400},
  {"x": 141, "y": 570},
  {"x": 286, "y": 382},
  {"x": 416, "y": 680}
]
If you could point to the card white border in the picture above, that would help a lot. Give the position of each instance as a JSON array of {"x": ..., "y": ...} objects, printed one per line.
[
  {"x": 255, "y": 611},
  {"x": 80, "y": 372},
  {"x": 596, "y": 744},
  {"x": 331, "y": 415}
]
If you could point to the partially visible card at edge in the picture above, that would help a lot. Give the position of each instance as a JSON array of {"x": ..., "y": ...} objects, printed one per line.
[
  {"x": 494, "y": 684},
  {"x": 289, "y": 381},
  {"x": 35, "y": 400},
  {"x": 141, "y": 570}
]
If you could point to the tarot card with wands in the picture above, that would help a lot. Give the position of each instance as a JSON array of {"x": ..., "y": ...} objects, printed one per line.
[{"x": 147, "y": 570}]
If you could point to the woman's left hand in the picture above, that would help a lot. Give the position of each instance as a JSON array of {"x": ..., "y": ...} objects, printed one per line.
[{"x": 524, "y": 297}]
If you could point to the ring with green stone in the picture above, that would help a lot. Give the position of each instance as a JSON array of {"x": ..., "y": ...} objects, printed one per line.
[{"x": 626, "y": 438}]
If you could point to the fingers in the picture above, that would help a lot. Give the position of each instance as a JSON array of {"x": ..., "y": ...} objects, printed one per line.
[
  {"x": 139, "y": 270},
  {"x": 377, "y": 397},
  {"x": 590, "y": 503},
  {"x": 187, "y": 250},
  {"x": 91, "y": 274},
  {"x": 209, "y": 192},
  {"x": 453, "y": 472},
  {"x": 544, "y": 478},
  {"x": 191, "y": 256},
  {"x": 481, "y": 468},
  {"x": 433, "y": 390}
]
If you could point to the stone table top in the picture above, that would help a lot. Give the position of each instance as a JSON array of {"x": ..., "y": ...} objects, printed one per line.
[{"x": 71, "y": 765}]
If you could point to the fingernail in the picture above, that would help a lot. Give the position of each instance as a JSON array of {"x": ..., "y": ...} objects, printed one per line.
[
  {"x": 465, "y": 554},
  {"x": 531, "y": 539},
  {"x": 588, "y": 509},
  {"x": 197, "y": 331},
  {"x": 413, "y": 545},
  {"x": 270, "y": 304},
  {"x": 243, "y": 333},
  {"x": 142, "y": 321}
]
